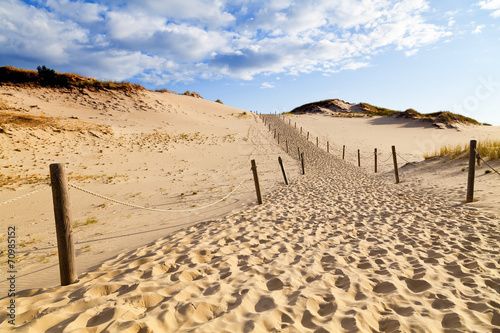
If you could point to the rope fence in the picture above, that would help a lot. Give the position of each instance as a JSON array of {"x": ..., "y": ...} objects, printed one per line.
[
  {"x": 157, "y": 209},
  {"x": 291, "y": 140},
  {"x": 25, "y": 195},
  {"x": 355, "y": 155},
  {"x": 480, "y": 157}
]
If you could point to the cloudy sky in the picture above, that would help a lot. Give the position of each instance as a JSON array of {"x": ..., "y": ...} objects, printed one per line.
[{"x": 273, "y": 55}]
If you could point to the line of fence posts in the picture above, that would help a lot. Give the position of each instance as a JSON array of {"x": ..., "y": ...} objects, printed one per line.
[
  {"x": 63, "y": 219},
  {"x": 472, "y": 162}
]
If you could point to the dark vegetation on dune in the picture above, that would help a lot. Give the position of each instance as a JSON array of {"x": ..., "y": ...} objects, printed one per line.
[
  {"x": 341, "y": 108},
  {"x": 46, "y": 77}
]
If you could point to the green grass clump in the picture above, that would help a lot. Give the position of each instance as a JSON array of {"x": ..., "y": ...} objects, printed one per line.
[
  {"x": 376, "y": 110},
  {"x": 488, "y": 149}
]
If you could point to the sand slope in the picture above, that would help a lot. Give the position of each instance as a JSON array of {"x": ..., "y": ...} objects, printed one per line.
[
  {"x": 337, "y": 250},
  {"x": 162, "y": 151}
]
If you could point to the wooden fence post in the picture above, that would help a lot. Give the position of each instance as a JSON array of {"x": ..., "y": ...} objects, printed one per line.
[
  {"x": 395, "y": 159},
  {"x": 286, "y": 141},
  {"x": 256, "y": 181},
  {"x": 278, "y": 138},
  {"x": 317, "y": 141},
  {"x": 472, "y": 171},
  {"x": 359, "y": 159},
  {"x": 343, "y": 152},
  {"x": 307, "y": 136},
  {"x": 302, "y": 159},
  {"x": 328, "y": 146},
  {"x": 282, "y": 169},
  {"x": 375, "y": 160},
  {"x": 64, "y": 226}
]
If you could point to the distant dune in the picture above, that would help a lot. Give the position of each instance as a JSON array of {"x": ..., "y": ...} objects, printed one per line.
[
  {"x": 169, "y": 237},
  {"x": 340, "y": 108}
]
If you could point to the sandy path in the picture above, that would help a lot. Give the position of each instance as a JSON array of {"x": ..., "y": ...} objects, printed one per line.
[{"x": 336, "y": 250}]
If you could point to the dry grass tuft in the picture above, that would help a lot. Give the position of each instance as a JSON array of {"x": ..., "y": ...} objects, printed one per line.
[
  {"x": 57, "y": 124},
  {"x": 488, "y": 149}
]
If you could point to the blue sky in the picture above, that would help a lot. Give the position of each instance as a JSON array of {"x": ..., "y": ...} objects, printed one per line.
[{"x": 273, "y": 55}]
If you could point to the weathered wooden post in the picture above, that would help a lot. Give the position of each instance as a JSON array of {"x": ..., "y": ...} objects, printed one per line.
[
  {"x": 256, "y": 181},
  {"x": 395, "y": 159},
  {"x": 278, "y": 138},
  {"x": 328, "y": 146},
  {"x": 359, "y": 159},
  {"x": 286, "y": 141},
  {"x": 282, "y": 169},
  {"x": 472, "y": 171},
  {"x": 375, "y": 160},
  {"x": 301, "y": 130},
  {"x": 64, "y": 226},
  {"x": 343, "y": 152},
  {"x": 317, "y": 141},
  {"x": 302, "y": 159},
  {"x": 307, "y": 136}
]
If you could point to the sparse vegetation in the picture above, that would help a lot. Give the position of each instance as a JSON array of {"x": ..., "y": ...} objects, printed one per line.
[
  {"x": 219, "y": 101},
  {"x": 47, "y": 77},
  {"x": 376, "y": 110},
  {"x": 89, "y": 221},
  {"x": 488, "y": 149},
  {"x": 192, "y": 94}
]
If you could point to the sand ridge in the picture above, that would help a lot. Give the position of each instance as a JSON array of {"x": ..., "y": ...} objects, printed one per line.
[
  {"x": 181, "y": 153},
  {"x": 337, "y": 250}
]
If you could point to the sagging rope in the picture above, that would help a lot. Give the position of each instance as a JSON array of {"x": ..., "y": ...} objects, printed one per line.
[
  {"x": 157, "y": 209},
  {"x": 25, "y": 195},
  {"x": 478, "y": 155}
]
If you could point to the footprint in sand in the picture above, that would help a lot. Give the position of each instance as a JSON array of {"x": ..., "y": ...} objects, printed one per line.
[
  {"x": 389, "y": 325},
  {"x": 265, "y": 303},
  {"x": 384, "y": 288},
  {"x": 274, "y": 284},
  {"x": 451, "y": 320},
  {"x": 417, "y": 286},
  {"x": 343, "y": 282}
]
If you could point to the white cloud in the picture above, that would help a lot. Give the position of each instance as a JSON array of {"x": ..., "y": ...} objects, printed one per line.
[
  {"x": 493, "y": 5},
  {"x": 34, "y": 33},
  {"x": 411, "y": 52},
  {"x": 478, "y": 29},
  {"x": 186, "y": 39},
  {"x": 267, "y": 85},
  {"x": 80, "y": 11}
]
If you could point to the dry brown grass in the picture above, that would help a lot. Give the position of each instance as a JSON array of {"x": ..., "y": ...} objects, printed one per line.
[
  {"x": 488, "y": 149},
  {"x": 58, "y": 124}
]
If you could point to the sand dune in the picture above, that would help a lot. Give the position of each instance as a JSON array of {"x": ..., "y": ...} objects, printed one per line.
[
  {"x": 181, "y": 154},
  {"x": 333, "y": 251},
  {"x": 339, "y": 249}
]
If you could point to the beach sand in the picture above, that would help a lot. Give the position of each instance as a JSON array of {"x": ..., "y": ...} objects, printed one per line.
[{"x": 339, "y": 249}]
